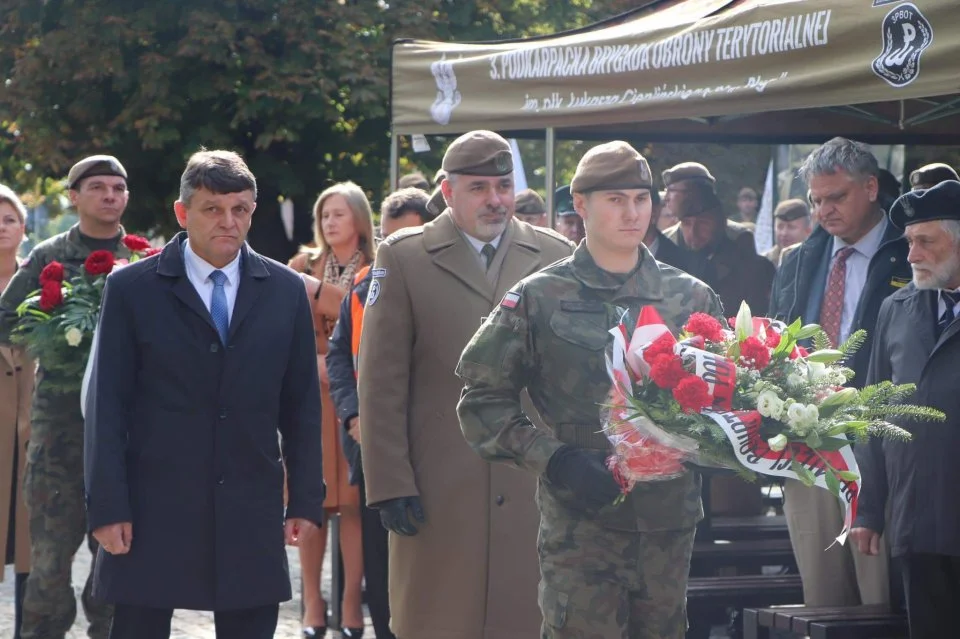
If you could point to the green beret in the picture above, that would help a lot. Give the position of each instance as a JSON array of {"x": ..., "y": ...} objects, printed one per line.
[
  {"x": 687, "y": 171},
  {"x": 790, "y": 210},
  {"x": 614, "y": 165},
  {"x": 95, "y": 165},
  {"x": 931, "y": 174},
  {"x": 940, "y": 202},
  {"x": 479, "y": 153},
  {"x": 529, "y": 202}
]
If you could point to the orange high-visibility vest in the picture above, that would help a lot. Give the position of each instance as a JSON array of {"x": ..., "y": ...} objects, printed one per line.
[{"x": 356, "y": 316}]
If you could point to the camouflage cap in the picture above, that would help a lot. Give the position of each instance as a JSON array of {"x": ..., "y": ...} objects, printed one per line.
[
  {"x": 95, "y": 165},
  {"x": 614, "y": 165},
  {"x": 563, "y": 201},
  {"x": 790, "y": 210},
  {"x": 687, "y": 171},
  {"x": 931, "y": 174},
  {"x": 529, "y": 202},
  {"x": 940, "y": 202},
  {"x": 479, "y": 153},
  {"x": 436, "y": 204}
]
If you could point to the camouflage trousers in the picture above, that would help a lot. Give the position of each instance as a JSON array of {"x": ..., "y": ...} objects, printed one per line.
[
  {"x": 54, "y": 496},
  {"x": 599, "y": 583}
]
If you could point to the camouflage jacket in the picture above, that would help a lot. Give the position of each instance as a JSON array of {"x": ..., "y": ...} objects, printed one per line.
[
  {"x": 549, "y": 336},
  {"x": 69, "y": 249}
]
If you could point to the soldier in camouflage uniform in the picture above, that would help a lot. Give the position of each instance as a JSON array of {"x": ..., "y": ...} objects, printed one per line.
[
  {"x": 606, "y": 571},
  {"x": 53, "y": 480}
]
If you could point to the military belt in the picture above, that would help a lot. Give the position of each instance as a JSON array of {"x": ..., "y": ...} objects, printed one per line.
[{"x": 582, "y": 436}]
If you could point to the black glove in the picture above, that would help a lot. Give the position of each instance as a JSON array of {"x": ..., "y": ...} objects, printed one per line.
[
  {"x": 583, "y": 472},
  {"x": 393, "y": 515}
]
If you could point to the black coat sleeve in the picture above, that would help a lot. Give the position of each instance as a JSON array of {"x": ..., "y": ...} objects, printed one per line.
[
  {"x": 300, "y": 420},
  {"x": 870, "y": 457},
  {"x": 343, "y": 381},
  {"x": 108, "y": 411}
]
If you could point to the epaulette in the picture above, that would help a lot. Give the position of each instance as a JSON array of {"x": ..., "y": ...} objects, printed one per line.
[
  {"x": 543, "y": 230},
  {"x": 402, "y": 234}
]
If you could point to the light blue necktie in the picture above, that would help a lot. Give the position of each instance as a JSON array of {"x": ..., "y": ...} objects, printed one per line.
[{"x": 218, "y": 305}]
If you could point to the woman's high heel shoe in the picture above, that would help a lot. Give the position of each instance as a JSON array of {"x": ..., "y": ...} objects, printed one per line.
[{"x": 351, "y": 633}]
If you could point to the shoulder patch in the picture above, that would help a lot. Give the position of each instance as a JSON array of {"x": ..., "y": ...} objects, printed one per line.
[
  {"x": 378, "y": 272},
  {"x": 402, "y": 234},
  {"x": 510, "y": 300},
  {"x": 374, "y": 293}
]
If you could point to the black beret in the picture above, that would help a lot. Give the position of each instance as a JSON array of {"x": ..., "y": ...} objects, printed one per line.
[
  {"x": 941, "y": 202},
  {"x": 563, "y": 201}
]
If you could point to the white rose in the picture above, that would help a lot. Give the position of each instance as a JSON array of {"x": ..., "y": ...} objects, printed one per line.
[
  {"x": 777, "y": 443},
  {"x": 769, "y": 405},
  {"x": 796, "y": 414},
  {"x": 74, "y": 336}
]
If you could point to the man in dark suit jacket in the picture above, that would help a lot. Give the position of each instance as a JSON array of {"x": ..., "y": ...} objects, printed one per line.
[
  {"x": 659, "y": 244},
  {"x": 202, "y": 358},
  {"x": 917, "y": 341}
]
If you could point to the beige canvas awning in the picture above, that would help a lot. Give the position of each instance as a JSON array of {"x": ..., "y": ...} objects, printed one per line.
[{"x": 753, "y": 70}]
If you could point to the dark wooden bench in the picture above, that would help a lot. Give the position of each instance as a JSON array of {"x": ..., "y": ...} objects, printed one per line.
[
  {"x": 833, "y": 622},
  {"x": 746, "y": 556},
  {"x": 719, "y": 600}
]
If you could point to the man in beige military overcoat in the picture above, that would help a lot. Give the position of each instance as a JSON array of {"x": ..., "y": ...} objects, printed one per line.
[{"x": 463, "y": 543}]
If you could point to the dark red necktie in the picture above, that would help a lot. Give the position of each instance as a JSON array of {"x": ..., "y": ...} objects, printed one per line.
[{"x": 831, "y": 311}]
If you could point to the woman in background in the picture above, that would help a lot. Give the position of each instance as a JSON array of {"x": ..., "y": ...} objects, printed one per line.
[
  {"x": 16, "y": 392},
  {"x": 344, "y": 245}
]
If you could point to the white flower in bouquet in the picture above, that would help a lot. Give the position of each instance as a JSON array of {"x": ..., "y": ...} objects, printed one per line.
[
  {"x": 769, "y": 405},
  {"x": 817, "y": 372},
  {"x": 777, "y": 443},
  {"x": 796, "y": 381},
  {"x": 74, "y": 336},
  {"x": 837, "y": 377},
  {"x": 802, "y": 418}
]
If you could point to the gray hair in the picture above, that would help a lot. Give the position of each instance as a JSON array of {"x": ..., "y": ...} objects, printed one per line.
[
  {"x": 840, "y": 154},
  {"x": 953, "y": 228},
  {"x": 7, "y": 195},
  {"x": 218, "y": 172}
]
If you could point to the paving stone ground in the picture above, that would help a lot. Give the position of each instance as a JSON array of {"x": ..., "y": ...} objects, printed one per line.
[{"x": 187, "y": 624}]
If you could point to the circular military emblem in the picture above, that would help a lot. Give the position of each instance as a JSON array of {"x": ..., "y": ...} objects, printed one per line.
[
  {"x": 906, "y": 34},
  {"x": 502, "y": 162},
  {"x": 374, "y": 293}
]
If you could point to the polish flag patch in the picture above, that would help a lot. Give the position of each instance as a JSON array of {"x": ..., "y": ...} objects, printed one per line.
[{"x": 510, "y": 300}]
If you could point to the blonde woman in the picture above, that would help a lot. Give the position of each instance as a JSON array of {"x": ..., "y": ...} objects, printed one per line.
[
  {"x": 16, "y": 391},
  {"x": 343, "y": 232}
]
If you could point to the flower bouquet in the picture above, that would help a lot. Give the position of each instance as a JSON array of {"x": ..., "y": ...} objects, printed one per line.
[
  {"x": 750, "y": 399},
  {"x": 57, "y": 320}
]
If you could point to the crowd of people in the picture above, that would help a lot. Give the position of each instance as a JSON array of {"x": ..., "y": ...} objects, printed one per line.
[{"x": 434, "y": 381}]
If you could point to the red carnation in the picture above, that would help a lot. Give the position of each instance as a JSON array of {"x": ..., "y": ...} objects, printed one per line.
[
  {"x": 706, "y": 326},
  {"x": 798, "y": 351},
  {"x": 50, "y": 296},
  {"x": 692, "y": 393},
  {"x": 151, "y": 251},
  {"x": 136, "y": 243},
  {"x": 667, "y": 371},
  {"x": 52, "y": 272},
  {"x": 754, "y": 353},
  {"x": 99, "y": 263},
  {"x": 773, "y": 339},
  {"x": 663, "y": 345}
]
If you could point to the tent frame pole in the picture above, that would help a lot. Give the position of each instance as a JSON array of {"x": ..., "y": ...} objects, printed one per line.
[
  {"x": 394, "y": 161},
  {"x": 549, "y": 177}
]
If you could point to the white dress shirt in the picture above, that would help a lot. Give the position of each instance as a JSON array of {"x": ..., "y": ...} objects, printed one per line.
[
  {"x": 199, "y": 270},
  {"x": 479, "y": 244},
  {"x": 858, "y": 266}
]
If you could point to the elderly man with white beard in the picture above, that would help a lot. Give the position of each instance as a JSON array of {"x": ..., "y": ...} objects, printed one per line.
[{"x": 917, "y": 341}]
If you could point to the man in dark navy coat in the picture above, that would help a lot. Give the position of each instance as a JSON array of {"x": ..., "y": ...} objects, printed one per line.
[
  {"x": 205, "y": 352},
  {"x": 917, "y": 341}
]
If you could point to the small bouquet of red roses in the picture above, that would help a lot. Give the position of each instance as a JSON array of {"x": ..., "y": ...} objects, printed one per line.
[
  {"x": 748, "y": 399},
  {"x": 56, "y": 321}
]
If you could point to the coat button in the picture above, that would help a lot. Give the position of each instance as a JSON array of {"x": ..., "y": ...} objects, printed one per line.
[
  {"x": 223, "y": 413},
  {"x": 499, "y": 500},
  {"x": 220, "y": 480},
  {"x": 214, "y": 347},
  {"x": 9, "y": 373}
]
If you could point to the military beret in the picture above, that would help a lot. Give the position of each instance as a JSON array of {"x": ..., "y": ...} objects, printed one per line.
[
  {"x": 790, "y": 210},
  {"x": 687, "y": 171},
  {"x": 927, "y": 176},
  {"x": 437, "y": 204},
  {"x": 614, "y": 165},
  {"x": 563, "y": 201},
  {"x": 529, "y": 202},
  {"x": 416, "y": 180},
  {"x": 940, "y": 202},
  {"x": 95, "y": 165},
  {"x": 699, "y": 202},
  {"x": 479, "y": 153}
]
